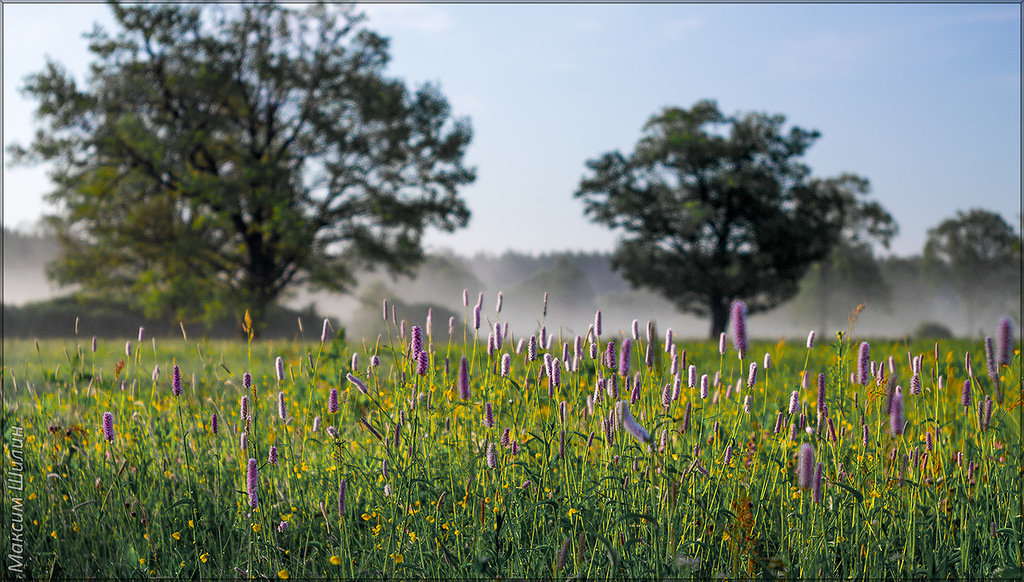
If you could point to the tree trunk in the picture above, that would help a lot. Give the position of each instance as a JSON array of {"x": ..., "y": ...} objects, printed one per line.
[{"x": 719, "y": 307}]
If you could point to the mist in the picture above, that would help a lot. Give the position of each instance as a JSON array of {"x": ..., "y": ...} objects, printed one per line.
[{"x": 577, "y": 285}]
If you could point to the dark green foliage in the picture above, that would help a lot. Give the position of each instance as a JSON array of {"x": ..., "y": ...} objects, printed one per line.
[
  {"x": 932, "y": 330},
  {"x": 220, "y": 156},
  {"x": 714, "y": 208}
]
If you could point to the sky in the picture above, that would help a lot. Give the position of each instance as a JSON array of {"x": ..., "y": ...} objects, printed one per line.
[{"x": 924, "y": 100}]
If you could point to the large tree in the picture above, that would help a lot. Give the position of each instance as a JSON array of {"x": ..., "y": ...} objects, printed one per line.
[
  {"x": 977, "y": 255},
  {"x": 713, "y": 208},
  {"x": 219, "y": 156}
]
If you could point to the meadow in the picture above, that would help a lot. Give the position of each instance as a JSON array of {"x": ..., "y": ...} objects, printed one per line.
[{"x": 482, "y": 452}]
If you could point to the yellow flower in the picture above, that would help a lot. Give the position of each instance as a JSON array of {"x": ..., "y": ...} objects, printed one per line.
[
  {"x": 412, "y": 536},
  {"x": 283, "y": 574},
  {"x": 398, "y": 558},
  {"x": 190, "y": 524},
  {"x": 366, "y": 517},
  {"x": 376, "y": 529},
  {"x": 336, "y": 560},
  {"x": 572, "y": 511},
  {"x": 204, "y": 557},
  {"x": 53, "y": 534},
  {"x": 256, "y": 527},
  {"x": 176, "y": 535}
]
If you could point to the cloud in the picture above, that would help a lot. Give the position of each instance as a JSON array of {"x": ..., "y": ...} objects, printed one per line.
[{"x": 421, "y": 18}]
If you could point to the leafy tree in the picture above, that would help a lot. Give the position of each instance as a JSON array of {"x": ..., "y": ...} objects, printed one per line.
[
  {"x": 218, "y": 157},
  {"x": 978, "y": 255},
  {"x": 714, "y": 208}
]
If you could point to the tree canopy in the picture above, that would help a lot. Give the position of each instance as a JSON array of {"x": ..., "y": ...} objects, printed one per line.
[
  {"x": 713, "y": 208},
  {"x": 219, "y": 156},
  {"x": 978, "y": 255}
]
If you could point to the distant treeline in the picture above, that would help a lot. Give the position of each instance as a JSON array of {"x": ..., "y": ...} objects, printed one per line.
[{"x": 907, "y": 298}]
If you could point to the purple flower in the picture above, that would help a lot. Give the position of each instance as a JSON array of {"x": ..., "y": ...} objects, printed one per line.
[
  {"x": 668, "y": 338},
  {"x": 416, "y": 341},
  {"x": 703, "y": 382},
  {"x": 805, "y": 466},
  {"x": 355, "y": 361},
  {"x": 896, "y": 412},
  {"x": 246, "y": 380},
  {"x": 728, "y": 454},
  {"x": 500, "y": 301},
  {"x": 686, "y": 417},
  {"x": 624, "y": 356},
  {"x": 422, "y": 363},
  {"x": 175, "y": 380},
  {"x": 967, "y": 364},
  {"x": 476, "y": 317},
  {"x": 752, "y": 377},
  {"x": 531, "y": 349},
  {"x": 810, "y": 340},
  {"x": 242, "y": 441},
  {"x": 465, "y": 297},
  {"x": 94, "y": 344},
  {"x": 677, "y": 386},
  {"x": 609, "y": 354},
  {"x": 316, "y": 424},
  {"x": 597, "y": 323},
  {"x": 374, "y": 360},
  {"x": 635, "y": 394},
  {"x": 272, "y": 456},
  {"x": 492, "y": 460},
  {"x": 506, "y": 365},
  {"x": 988, "y": 411},
  {"x": 359, "y": 383},
  {"x": 666, "y": 396},
  {"x": 794, "y": 398},
  {"x": 636, "y": 330},
  {"x": 691, "y": 377},
  {"x": 767, "y": 361},
  {"x": 778, "y": 422},
  {"x": 332, "y": 401},
  {"x": 142, "y": 333},
  {"x": 1004, "y": 340},
  {"x": 915, "y": 384},
  {"x": 128, "y": 349},
  {"x": 279, "y": 368},
  {"x": 488, "y": 416},
  {"x": 282, "y": 526},
  {"x": 863, "y": 355},
  {"x": 746, "y": 404},
  {"x": 282, "y": 408},
  {"x": 385, "y": 309},
  {"x": 213, "y": 423},
  {"x": 463, "y": 381},
  {"x": 739, "y": 327},
  {"x": 323, "y": 334},
  {"x": 965, "y": 395},
  {"x": 244, "y": 408},
  {"x": 108, "y": 426},
  {"x": 821, "y": 391},
  {"x": 252, "y": 478},
  {"x": 721, "y": 344},
  {"x": 674, "y": 369}
]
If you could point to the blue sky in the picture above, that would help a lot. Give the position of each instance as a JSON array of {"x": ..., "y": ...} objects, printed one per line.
[{"x": 923, "y": 100}]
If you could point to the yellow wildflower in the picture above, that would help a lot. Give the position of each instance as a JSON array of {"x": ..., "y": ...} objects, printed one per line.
[
  {"x": 283, "y": 574},
  {"x": 176, "y": 535},
  {"x": 336, "y": 560}
]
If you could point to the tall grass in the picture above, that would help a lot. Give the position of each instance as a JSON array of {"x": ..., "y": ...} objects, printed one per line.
[{"x": 556, "y": 487}]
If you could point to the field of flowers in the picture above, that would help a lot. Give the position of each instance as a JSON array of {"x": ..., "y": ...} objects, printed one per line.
[{"x": 567, "y": 451}]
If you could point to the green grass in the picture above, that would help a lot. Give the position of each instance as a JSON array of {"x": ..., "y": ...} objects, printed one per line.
[{"x": 167, "y": 497}]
